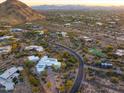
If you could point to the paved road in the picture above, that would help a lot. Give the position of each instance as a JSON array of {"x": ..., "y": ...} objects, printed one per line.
[{"x": 80, "y": 74}]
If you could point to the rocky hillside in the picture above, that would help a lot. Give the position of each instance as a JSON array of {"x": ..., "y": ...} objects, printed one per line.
[{"x": 15, "y": 12}]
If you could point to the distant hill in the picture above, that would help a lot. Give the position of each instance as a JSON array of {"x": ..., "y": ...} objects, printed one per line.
[
  {"x": 15, "y": 12},
  {"x": 75, "y": 7}
]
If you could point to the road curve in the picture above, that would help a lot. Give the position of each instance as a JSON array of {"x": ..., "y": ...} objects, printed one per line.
[{"x": 80, "y": 74}]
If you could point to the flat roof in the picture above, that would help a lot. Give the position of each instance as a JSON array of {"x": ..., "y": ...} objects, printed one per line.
[
  {"x": 45, "y": 61},
  {"x": 9, "y": 72}
]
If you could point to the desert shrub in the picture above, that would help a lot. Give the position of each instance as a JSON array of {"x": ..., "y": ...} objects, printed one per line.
[
  {"x": 33, "y": 80},
  {"x": 114, "y": 80}
]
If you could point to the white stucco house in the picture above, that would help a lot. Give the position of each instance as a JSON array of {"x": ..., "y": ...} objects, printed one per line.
[
  {"x": 40, "y": 32},
  {"x": 67, "y": 24},
  {"x": 64, "y": 34},
  {"x": 120, "y": 52},
  {"x": 47, "y": 62},
  {"x": 33, "y": 58},
  {"x": 5, "y": 37},
  {"x": 99, "y": 23},
  {"x": 34, "y": 47},
  {"x": 6, "y": 79},
  {"x": 87, "y": 39},
  {"x": 7, "y": 84},
  {"x": 5, "y": 49},
  {"x": 16, "y": 30}
]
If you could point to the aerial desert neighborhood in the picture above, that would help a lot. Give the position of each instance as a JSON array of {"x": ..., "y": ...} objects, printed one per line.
[{"x": 61, "y": 48}]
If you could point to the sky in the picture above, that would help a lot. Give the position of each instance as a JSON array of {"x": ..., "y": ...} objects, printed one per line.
[{"x": 74, "y": 2}]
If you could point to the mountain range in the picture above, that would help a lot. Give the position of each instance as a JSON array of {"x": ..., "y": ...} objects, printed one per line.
[
  {"x": 15, "y": 12},
  {"x": 76, "y": 7}
]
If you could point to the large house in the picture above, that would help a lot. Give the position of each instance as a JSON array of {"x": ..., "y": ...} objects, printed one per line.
[
  {"x": 120, "y": 52},
  {"x": 6, "y": 79},
  {"x": 40, "y": 32},
  {"x": 34, "y": 47},
  {"x": 5, "y": 49},
  {"x": 63, "y": 34},
  {"x": 87, "y": 39},
  {"x": 47, "y": 62},
  {"x": 36, "y": 27},
  {"x": 16, "y": 30},
  {"x": 5, "y": 37}
]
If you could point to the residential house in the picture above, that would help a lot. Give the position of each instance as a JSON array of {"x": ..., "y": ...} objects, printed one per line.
[
  {"x": 99, "y": 23},
  {"x": 40, "y": 32},
  {"x": 6, "y": 79},
  {"x": 106, "y": 65},
  {"x": 33, "y": 58},
  {"x": 63, "y": 34},
  {"x": 120, "y": 52},
  {"x": 36, "y": 27},
  {"x": 47, "y": 62},
  {"x": 16, "y": 30},
  {"x": 87, "y": 39},
  {"x": 5, "y": 49},
  {"x": 34, "y": 47},
  {"x": 67, "y": 24},
  {"x": 5, "y": 37}
]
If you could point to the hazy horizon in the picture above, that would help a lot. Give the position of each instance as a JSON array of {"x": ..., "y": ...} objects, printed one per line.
[{"x": 74, "y": 2}]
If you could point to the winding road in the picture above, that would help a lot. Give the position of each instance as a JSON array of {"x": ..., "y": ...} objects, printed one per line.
[{"x": 80, "y": 74}]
